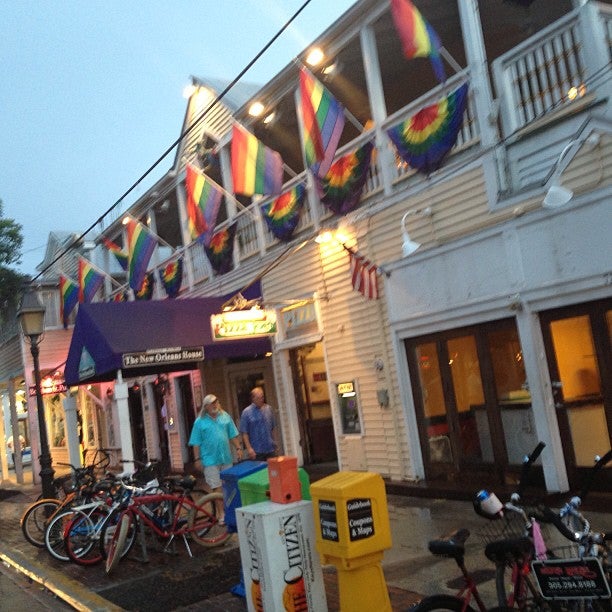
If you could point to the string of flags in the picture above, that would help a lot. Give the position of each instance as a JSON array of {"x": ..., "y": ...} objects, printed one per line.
[{"x": 422, "y": 141}]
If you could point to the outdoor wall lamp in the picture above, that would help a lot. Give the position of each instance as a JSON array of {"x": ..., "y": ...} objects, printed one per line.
[
  {"x": 557, "y": 195},
  {"x": 410, "y": 246},
  {"x": 31, "y": 317}
]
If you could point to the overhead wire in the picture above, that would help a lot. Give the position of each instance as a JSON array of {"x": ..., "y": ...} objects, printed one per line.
[{"x": 182, "y": 136}]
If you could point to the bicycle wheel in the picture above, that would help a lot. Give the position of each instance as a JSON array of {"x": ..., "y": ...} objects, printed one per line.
[
  {"x": 118, "y": 542},
  {"x": 35, "y": 520},
  {"x": 516, "y": 589},
  {"x": 81, "y": 537},
  {"x": 54, "y": 536},
  {"x": 108, "y": 531},
  {"x": 442, "y": 602},
  {"x": 203, "y": 524}
]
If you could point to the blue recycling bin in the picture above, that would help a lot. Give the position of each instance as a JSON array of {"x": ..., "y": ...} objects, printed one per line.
[{"x": 231, "y": 492}]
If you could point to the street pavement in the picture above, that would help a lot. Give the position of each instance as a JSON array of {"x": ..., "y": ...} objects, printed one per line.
[{"x": 174, "y": 581}]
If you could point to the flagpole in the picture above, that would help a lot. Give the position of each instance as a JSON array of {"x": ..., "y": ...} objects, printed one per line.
[{"x": 450, "y": 59}]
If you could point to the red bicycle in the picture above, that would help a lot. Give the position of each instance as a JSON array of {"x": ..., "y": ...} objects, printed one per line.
[{"x": 169, "y": 515}]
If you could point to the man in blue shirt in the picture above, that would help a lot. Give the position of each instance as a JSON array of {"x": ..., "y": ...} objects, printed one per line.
[
  {"x": 211, "y": 435},
  {"x": 257, "y": 427}
]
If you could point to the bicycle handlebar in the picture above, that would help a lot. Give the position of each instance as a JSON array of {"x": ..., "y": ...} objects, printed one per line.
[
  {"x": 527, "y": 463},
  {"x": 601, "y": 462}
]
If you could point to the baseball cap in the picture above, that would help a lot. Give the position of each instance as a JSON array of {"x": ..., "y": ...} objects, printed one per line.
[{"x": 209, "y": 399}]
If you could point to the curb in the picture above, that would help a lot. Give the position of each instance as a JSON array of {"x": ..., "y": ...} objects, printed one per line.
[{"x": 67, "y": 589}]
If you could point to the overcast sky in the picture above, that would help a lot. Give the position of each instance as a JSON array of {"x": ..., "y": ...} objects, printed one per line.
[{"x": 91, "y": 93}]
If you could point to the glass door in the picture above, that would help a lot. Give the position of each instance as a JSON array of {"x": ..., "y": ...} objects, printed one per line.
[
  {"x": 578, "y": 341},
  {"x": 472, "y": 405}
]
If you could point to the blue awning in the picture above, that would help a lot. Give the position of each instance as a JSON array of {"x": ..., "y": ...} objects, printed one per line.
[{"x": 149, "y": 337}]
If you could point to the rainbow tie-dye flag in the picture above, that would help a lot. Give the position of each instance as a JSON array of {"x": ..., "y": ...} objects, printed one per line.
[
  {"x": 90, "y": 280},
  {"x": 342, "y": 186},
  {"x": 118, "y": 252},
  {"x": 256, "y": 169},
  {"x": 220, "y": 252},
  {"x": 418, "y": 38},
  {"x": 171, "y": 277},
  {"x": 322, "y": 118},
  {"x": 283, "y": 214},
  {"x": 69, "y": 297},
  {"x": 203, "y": 203},
  {"x": 146, "y": 290},
  {"x": 424, "y": 140},
  {"x": 141, "y": 244}
]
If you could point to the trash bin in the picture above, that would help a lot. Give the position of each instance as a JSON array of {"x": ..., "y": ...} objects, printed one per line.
[
  {"x": 231, "y": 492},
  {"x": 255, "y": 488}
]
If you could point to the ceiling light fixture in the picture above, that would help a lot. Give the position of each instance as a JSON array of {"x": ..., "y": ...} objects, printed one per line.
[
  {"x": 409, "y": 246},
  {"x": 256, "y": 109},
  {"x": 315, "y": 57}
]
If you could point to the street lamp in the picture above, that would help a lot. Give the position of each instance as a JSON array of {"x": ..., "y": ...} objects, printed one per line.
[{"x": 31, "y": 317}]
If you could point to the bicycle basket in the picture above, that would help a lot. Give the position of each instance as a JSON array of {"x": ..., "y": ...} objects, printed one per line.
[{"x": 510, "y": 525}]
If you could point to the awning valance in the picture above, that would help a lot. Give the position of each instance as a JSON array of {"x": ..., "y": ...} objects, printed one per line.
[{"x": 148, "y": 337}]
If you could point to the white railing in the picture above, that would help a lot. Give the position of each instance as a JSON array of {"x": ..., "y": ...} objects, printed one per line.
[{"x": 541, "y": 74}]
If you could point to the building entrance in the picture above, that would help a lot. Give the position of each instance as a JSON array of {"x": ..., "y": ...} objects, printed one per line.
[
  {"x": 578, "y": 344},
  {"x": 313, "y": 403},
  {"x": 473, "y": 406}
]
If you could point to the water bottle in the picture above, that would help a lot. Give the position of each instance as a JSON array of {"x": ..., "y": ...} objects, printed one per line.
[{"x": 489, "y": 502}]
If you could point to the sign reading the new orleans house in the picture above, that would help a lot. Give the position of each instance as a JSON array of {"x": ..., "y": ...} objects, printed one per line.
[
  {"x": 163, "y": 356},
  {"x": 243, "y": 324}
]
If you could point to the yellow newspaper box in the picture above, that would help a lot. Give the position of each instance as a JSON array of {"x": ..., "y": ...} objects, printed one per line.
[{"x": 352, "y": 527}]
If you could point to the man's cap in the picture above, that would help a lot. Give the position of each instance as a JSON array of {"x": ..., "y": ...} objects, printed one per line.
[{"x": 209, "y": 399}]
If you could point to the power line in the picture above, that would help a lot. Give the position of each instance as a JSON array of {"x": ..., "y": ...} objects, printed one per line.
[{"x": 197, "y": 121}]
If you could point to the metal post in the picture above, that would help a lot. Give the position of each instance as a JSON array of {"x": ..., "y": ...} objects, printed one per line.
[{"x": 46, "y": 471}]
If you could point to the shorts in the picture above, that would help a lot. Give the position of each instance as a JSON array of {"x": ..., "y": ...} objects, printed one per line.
[{"x": 212, "y": 474}]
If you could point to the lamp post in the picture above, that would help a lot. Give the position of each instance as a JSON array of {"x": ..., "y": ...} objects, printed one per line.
[{"x": 31, "y": 316}]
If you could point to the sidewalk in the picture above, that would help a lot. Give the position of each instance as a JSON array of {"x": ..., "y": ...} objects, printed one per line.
[{"x": 410, "y": 570}]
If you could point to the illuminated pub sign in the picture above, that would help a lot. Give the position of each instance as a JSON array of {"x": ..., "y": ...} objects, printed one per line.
[
  {"x": 236, "y": 324},
  {"x": 49, "y": 386},
  {"x": 163, "y": 356}
]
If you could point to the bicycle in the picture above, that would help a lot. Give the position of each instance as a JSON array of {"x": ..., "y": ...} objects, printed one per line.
[
  {"x": 36, "y": 518},
  {"x": 506, "y": 551},
  {"x": 178, "y": 515}
]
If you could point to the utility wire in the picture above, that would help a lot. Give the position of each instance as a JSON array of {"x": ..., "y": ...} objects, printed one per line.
[{"x": 197, "y": 121}]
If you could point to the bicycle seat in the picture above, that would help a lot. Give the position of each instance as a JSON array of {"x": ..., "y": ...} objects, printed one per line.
[
  {"x": 507, "y": 551},
  {"x": 451, "y": 545}
]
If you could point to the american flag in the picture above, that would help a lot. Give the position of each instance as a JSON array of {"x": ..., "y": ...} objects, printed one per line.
[{"x": 364, "y": 275}]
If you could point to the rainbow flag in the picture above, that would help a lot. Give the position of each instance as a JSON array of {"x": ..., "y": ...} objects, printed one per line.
[
  {"x": 283, "y": 214},
  {"x": 341, "y": 188},
  {"x": 90, "y": 280},
  {"x": 141, "y": 244},
  {"x": 203, "y": 203},
  {"x": 69, "y": 297},
  {"x": 118, "y": 252},
  {"x": 122, "y": 296},
  {"x": 255, "y": 167},
  {"x": 418, "y": 38},
  {"x": 220, "y": 252},
  {"x": 172, "y": 277},
  {"x": 146, "y": 290},
  {"x": 322, "y": 118},
  {"x": 424, "y": 140}
]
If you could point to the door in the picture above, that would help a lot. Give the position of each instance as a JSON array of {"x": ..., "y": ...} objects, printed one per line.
[
  {"x": 578, "y": 341},
  {"x": 188, "y": 411},
  {"x": 137, "y": 423},
  {"x": 474, "y": 412},
  {"x": 311, "y": 390}
]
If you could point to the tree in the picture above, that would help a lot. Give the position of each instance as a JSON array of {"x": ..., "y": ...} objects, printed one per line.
[{"x": 11, "y": 241}]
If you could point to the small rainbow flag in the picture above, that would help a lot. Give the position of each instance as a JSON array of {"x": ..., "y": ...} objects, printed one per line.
[
  {"x": 146, "y": 290},
  {"x": 141, "y": 244},
  {"x": 322, "y": 119},
  {"x": 342, "y": 186},
  {"x": 90, "y": 280},
  {"x": 424, "y": 140},
  {"x": 256, "y": 169},
  {"x": 418, "y": 38},
  {"x": 283, "y": 214},
  {"x": 172, "y": 277},
  {"x": 118, "y": 252},
  {"x": 121, "y": 296},
  {"x": 69, "y": 297},
  {"x": 220, "y": 252},
  {"x": 203, "y": 203}
]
